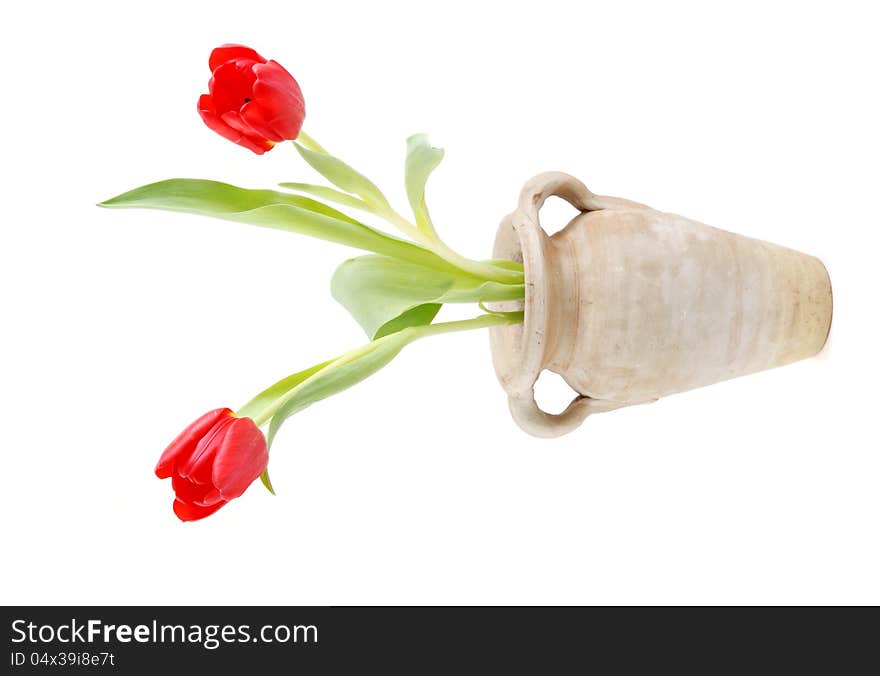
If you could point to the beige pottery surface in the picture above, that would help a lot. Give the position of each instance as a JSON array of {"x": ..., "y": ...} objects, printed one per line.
[{"x": 629, "y": 304}]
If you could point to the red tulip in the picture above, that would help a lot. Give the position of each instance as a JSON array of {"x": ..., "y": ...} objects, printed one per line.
[
  {"x": 252, "y": 102},
  {"x": 213, "y": 461}
]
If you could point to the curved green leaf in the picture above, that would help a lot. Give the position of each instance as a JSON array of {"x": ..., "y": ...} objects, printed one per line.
[
  {"x": 257, "y": 407},
  {"x": 420, "y": 315},
  {"x": 261, "y": 407},
  {"x": 506, "y": 264},
  {"x": 349, "y": 369},
  {"x": 344, "y": 177},
  {"x": 356, "y": 365},
  {"x": 421, "y": 160},
  {"x": 377, "y": 290},
  {"x": 271, "y": 209},
  {"x": 385, "y": 294},
  {"x": 266, "y": 481},
  {"x": 330, "y": 194},
  {"x": 210, "y": 198}
]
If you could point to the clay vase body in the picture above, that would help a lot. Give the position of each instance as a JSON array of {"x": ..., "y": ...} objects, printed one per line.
[{"x": 629, "y": 304}]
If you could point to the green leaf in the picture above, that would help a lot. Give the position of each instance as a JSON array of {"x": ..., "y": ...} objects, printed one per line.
[
  {"x": 210, "y": 198},
  {"x": 271, "y": 209},
  {"x": 309, "y": 142},
  {"x": 377, "y": 290},
  {"x": 266, "y": 481},
  {"x": 421, "y": 160},
  {"x": 257, "y": 407},
  {"x": 385, "y": 294},
  {"x": 330, "y": 194},
  {"x": 420, "y": 315},
  {"x": 360, "y": 363},
  {"x": 349, "y": 369},
  {"x": 262, "y": 406},
  {"x": 506, "y": 264},
  {"x": 344, "y": 177}
]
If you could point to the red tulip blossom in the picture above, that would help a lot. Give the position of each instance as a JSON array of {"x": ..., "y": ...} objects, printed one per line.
[
  {"x": 252, "y": 102},
  {"x": 213, "y": 461}
]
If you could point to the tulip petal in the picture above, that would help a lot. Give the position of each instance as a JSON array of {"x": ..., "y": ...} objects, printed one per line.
[
  {"x": 212, "y": 497},
  {"x": 236, "y": 121},
  {"x": 232, "y": 85},
  {"x": 241, "y": 458},
  {"x": 189, "y": 512},
  {"x": 255, "y": 118},
  {"x": 189, "y": 491},
  {"x": 248, "y": 135},
  {"x": 210, "y": 117},
  {"x": 228, "y": 52},
  {"x": 273, "y": 74},
  {"x": 280, "y": 98},
  {"x": 213, "y": 121},
  {"x": 186, "y": 441},
  {"x": 197, "y": 467}
]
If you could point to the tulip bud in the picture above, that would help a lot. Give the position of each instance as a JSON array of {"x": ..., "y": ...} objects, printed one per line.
[
  {"x": 213, "y": 461},
  {"x": 252, "y": 102}
]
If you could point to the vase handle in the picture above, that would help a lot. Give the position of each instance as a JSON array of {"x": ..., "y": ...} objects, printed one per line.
[
  {"x": 521, "y": 398},
  {"x": 529, "y": 416},
  {"x": 566, "y": 186}
]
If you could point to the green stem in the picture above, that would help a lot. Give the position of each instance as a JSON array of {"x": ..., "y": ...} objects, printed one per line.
[
  {"x": 430, "y": 240},
  {"x": 261, "y": 408},
  {"x": 435, "y": 245},
  {"x": 493, "y": 273},
  {"x": 309, "y": 142},
  {"x": 481, "y": 322}
]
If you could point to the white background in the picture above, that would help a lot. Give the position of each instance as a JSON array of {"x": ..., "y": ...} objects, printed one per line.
[{"x": 416, "y": 486}]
